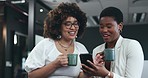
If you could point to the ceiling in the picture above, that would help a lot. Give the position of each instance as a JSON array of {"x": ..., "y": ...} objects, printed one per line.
[{"x": 134, "y": 11}]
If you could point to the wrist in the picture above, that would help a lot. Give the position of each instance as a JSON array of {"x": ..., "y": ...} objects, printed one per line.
[
  {"x": 55, "y": 64},
  {"x": 109, "y": 75},
  {"x": 84, "y": 75}
]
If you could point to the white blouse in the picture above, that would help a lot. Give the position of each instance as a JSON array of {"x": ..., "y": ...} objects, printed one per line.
[
  {"x": 129, "y": 58},
  {"x": 45, "y": 52}
]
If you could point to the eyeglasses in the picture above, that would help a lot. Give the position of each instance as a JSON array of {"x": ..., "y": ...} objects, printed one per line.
[{"x": 69, "y": 24}]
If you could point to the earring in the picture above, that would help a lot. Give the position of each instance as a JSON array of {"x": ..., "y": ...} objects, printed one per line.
[
  {"x": 59, "y": 36},
  {"x": 120, "y": 30},
  {"x": 76, "y": 36}
]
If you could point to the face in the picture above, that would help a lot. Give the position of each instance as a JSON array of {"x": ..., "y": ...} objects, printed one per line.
[
  {"x": 109, "y": 29},
  {"x": 69, "y": 28}
]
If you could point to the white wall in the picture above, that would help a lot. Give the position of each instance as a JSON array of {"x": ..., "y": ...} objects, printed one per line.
[{"x": 145, "y": 70}]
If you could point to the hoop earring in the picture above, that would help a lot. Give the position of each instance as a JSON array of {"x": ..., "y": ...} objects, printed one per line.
[
  {"x": 59, "y": 36},
  {"x": 76, "y": 36}
]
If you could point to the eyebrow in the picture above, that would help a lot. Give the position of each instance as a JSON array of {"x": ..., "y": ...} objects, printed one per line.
[{"x": 70, "y": 21}]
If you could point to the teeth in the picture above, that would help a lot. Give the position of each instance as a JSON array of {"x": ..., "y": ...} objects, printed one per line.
[
  {"x": 71, "y": 32},
  {"x": 105, "y": 35}
]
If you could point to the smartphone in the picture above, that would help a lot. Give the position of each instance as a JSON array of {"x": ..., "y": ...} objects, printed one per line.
[{"x": 84, "y": 58}]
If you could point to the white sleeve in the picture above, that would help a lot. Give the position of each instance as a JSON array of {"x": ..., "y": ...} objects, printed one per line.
[
  {"x": 135, "y": 61},
  {"x": 117, "y": 76},
  {"x": 81, "y": 48},
  {"x": 98, "y": 49},
  {"x": 36, "y": 58}
]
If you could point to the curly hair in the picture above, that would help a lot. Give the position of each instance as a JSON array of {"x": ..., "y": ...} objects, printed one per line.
[{"x": 53, "y": 22}]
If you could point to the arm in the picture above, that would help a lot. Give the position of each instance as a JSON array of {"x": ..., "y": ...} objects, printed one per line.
[
  {"x": 43, "y": 72},
  {"x": 135, "y": 61},
  {"x": 47, "y": 70},
  {"x": 36, "y": 64}
]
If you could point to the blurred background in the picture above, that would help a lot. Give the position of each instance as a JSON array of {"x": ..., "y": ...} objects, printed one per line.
[{"x": 21, "y": 28}]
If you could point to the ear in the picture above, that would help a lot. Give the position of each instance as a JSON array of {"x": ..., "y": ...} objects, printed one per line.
[{"x": 120, "y": 26}]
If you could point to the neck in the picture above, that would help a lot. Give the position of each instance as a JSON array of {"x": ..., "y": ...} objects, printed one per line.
[
  {"x": 112, "y": 44},
  {"x": 65, "y": 44}
]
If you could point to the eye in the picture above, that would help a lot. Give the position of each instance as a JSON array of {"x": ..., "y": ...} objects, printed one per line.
[
  {"x": 75, "y": 23},
  {"x": 109, "y": 26},
  {"x": 101, "y": 26},
  {"x": 67, "y": 24}
]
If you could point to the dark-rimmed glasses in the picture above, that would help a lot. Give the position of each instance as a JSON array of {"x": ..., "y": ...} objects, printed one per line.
[{"x": 69, "y": 24}]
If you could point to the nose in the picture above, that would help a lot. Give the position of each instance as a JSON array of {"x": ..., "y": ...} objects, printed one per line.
[
  {"x": 105, "y": 29},
  {"x": 72, "y": 26}
]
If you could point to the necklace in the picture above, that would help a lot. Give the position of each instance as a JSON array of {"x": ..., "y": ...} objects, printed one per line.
[{"x": 63, "y": 46}]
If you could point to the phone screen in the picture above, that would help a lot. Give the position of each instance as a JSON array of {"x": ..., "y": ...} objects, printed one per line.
[{"x": 84, "y": 58}]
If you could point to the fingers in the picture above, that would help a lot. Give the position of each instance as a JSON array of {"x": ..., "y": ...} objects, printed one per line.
[
  {"x": 99, "y": 58},
  {"x": 85, "y": 71},
  {"x": 100, "y": 55},
  {"x": 96, "y": 70},
  {"x": 63, "y": 60},
  {"x": 91, "y": 63},
  {"x": 88, "y": 70}
]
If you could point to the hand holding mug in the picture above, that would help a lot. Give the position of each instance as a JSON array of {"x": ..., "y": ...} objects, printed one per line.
[
  {"x": 99, "y": 59},
  {"x": 62, "y": 60}
]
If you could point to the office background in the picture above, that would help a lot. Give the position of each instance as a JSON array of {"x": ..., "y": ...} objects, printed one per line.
[{"x": 21, "y": 28}]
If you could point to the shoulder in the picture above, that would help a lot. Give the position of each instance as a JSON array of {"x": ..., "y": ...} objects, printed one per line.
[
  {"x": 130, "y": 41},
  {"x": 80, "y": 47},
  {"x": 132, "y": 46},
  {"x": 78, "y": 44},
  {"x": 42, "y": 47},
  {"x": 99, "y": 48},
  {"x": 45, "y": 41}
]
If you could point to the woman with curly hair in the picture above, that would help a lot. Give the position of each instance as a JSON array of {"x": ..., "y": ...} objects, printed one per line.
[{"x": 48, "y": 59}]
